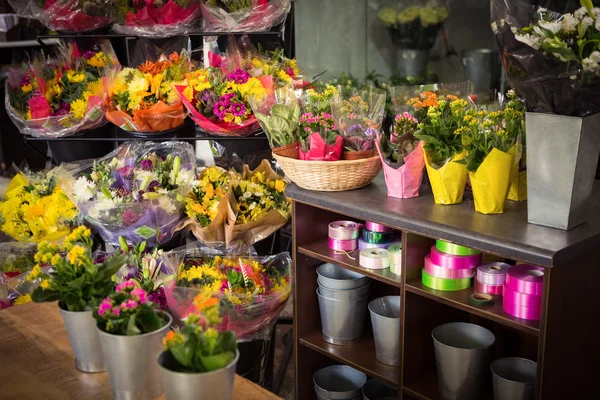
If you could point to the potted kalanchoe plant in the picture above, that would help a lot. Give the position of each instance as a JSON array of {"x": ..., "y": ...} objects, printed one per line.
[
  {"x": 79, "y": 285},
  {"x": 199, "y": 361},
  {"x": 127, "y": 322}
]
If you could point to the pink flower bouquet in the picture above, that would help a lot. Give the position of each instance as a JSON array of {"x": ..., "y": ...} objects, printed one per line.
[{"x": 66, "y": 15}]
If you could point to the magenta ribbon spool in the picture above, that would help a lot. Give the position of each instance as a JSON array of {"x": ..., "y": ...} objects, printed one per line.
[
  {"x": 446, "y": 273},
  {"x": 454, "y": 262},
  {"x": 342, "y": 245},
  {"x": 492, "y": 273},
  {"x": 520, "y": 305},
  {"x": 344, "y": 230},
  {"x": 362, "y": 245},
  {"x": 375, "y": 227},
  {"x": 480, "y": 287},
  {"x": 525, "y": 278}
]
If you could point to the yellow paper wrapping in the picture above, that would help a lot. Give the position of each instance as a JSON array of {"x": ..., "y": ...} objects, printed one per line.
[
  {"x": 490, "y": 182},
  {"x": 518, "y": 179},
  {"x": 448, "y": 182}
]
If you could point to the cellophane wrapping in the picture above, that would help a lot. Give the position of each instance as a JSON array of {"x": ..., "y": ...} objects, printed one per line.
[
  {"x": 66, "y": 15},
  {"x": 252, "y": 290},
  {"x": 136, "y": 191},
  {"x": 156, "y": 18},
  {"x": 56, "y": 97},
  {"x": 541, "y": 64},
  {"x": 16, "y": 261},
  {"x": 243, "y": 16}
]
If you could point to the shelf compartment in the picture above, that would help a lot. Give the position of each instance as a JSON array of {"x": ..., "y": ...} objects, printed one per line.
[
  {"x": 460, "y": 300},
  {"x": 425, "y": 388},
  {"x": 321, "y": 251},
  {"x": 360, "y": 354}
]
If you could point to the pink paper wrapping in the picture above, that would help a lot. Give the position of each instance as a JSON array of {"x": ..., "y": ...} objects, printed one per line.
[{"x": 404, "y": 182}]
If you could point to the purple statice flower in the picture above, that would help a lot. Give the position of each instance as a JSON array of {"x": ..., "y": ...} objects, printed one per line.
[
  {"x": 206, "y": 96},
  {"x": 129, "y": 217},
  {"x": 354, "y": 128},
  {"x": 63, "y": 109},
  {"x": 219, "y": 109},
  {"x": 153, "y": 185},
  {"x": 239, "y": 76},
  {"x": 122, "y": 192},
  {"x": 158, "y": 297},
  {"x": 25, "y": 80},
  {"x": 146, "y": 165},
  {"x": 238, "y": 109},
  {"x": 370, "y": 132},
  {"x": 88, "y": 54}
]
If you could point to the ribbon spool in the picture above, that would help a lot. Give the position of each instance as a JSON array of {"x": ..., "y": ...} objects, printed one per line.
[
  {"x": 525, "y": 278},
  {"x": 362, "y": 245},
  {"x": 455, "y": 249},
  {"x": 492, "y": 273},
  {"x": 395, "y": 252},
  {"x": 449, "y": 285},
  {"x": 520, "y": 305},
  {"x": 495, "y": 290},
  {"x": 377, "y": 237},
  {"x": 375, "y": 227},
  {"x": 446, "y": 273},
  {"x": 343, "y": 245},
  {"x": 344, "y": 230},
  {"x": 481, "y": 299},
  {"x": 454, "y": 262},
  {"x": 374, "y": 259}
]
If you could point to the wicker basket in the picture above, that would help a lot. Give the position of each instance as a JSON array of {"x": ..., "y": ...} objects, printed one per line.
[{"x": 330, "y": 176}]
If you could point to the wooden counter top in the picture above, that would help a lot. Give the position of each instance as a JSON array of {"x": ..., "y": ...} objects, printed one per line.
[{"x": 36, "y": 361}]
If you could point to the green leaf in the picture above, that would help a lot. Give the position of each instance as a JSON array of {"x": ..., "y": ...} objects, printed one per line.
[
  {"x": 588, "y": 5},
  {"x": 183, "y": 353},
  {"x": 145, "y": 232},
  {"x": 77, "y": 283},
  {"x": 132, "y": 328},
  {"x": 217, "y": 361},
  {"x": 110, "y": 267},
  {"x": 40, "y": 295},
  {"x": 428, "y": 139},
  {"x": 228, "y": 341}
]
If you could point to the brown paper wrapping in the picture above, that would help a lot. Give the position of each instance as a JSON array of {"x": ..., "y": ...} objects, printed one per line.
[{"x": 158, "y": 118}]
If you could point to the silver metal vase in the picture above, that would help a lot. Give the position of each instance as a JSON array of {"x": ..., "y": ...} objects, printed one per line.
[
  {"x": 84, "y": 340},
  {"x": 214, "y": 385},
  {"x": 131, "y": 361}
]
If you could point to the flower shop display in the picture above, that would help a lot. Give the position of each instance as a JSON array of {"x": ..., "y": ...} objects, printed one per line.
[
  {"x": 157, "y": 18},
  {"x": 552, "y": 60},
  {"x": 243, "y": 15},
  {"x": 144, "y": 99},
  {"x": 284, "y": 70},
  {"x": 131, "y": 331},
  {"x": 251, "y": 290},
  {"x": 198, "y": 361},
  {"x": 66, "y": 15},
  {"x": 279, "y": 114},
  {"x": 358, "y": 116},
  {"x": 79, "y": 284},
  {"x": 16, "y": 260},
  {"x": 58, "y": 97},
  {"x": 36, "y": 209},
  {"x": 137, "y": 191}
]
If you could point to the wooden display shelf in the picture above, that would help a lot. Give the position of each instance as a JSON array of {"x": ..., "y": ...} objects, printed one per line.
[
  {"x": 360, "y": 355},
  {"x": 425, "y": 388},
  {"x": 321, "y": 251},
  {"x": 460, "y": 299}
]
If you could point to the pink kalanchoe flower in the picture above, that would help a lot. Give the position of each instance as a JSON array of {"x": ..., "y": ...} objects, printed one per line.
[
  {"x": 123, "y": 286},
  {"x": 140, "y": 294},
  {"x": 105, "y": 306},
  {"x": 406, "y": 115},
  {"x": 116, "y": 311},
  {"x": 129, "y": 304}
]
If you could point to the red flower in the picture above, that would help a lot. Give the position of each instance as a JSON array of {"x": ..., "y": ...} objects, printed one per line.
[{"x": 39, "y": 107}]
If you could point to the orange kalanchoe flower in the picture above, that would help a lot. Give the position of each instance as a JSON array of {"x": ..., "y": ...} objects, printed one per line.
[{"x": 201, "y": 302}]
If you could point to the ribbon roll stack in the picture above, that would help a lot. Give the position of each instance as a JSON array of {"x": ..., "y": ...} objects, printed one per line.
[
  {"x": 343, "y": 235},
  {"x": 451, "y": 270},
  {"x": 375, "y": 236},
  {"x": 374, "y": 259},
  {"x": 395, "y": 252},
  {"x": 490, "y": 278},
  {"x": 523, "y": 291}
]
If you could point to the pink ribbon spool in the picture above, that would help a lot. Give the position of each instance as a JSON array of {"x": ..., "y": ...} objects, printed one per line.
[
  {"x": 375, "y": 227},
  {"x": 446, "y": 273},
  {"x": 480, "y": 287},
  {"x": 344, "y": 230},
  {"x": 454, "y": 262},
  {"x": 525, "y": 278},
  {"x": 342, "y": 245},
  {"x": 362, "y": 245},
  {"x": 520, "y": 305},
  {"x": 522, "y": 312}
]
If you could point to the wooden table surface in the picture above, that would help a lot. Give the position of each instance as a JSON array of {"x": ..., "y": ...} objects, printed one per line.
[{"x": 36, "y": 361}]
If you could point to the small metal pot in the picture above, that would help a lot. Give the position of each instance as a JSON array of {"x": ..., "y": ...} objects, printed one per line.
[
  {"x": 339, "y": 382},
  {"x": 514, "y": 378},
  {"x": 342, "y": 320},
  {"x": 333, "y": 277},
  {"x": 131, "y": 361},
  {"x": 347, "y": 295},
  {"x": 385, "y": 318},
  {"x": 374, "y": 389},
  {"x": 214, "y": 385},
  {"x": 84, "y": 340}
]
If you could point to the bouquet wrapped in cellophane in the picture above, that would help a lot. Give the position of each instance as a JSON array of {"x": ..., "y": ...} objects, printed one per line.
[
  {"x": 251, "y": 290},
  {"x": 144, "y": 99},
  {"x": 137, "y": 191},
  {"x": 16, "y": 261},
  {"x": 156, "y": 18},
  {"x": 58, "y": 97},
  {"x": 243, "y": 15},
  {"x": 65, "y": 15}
]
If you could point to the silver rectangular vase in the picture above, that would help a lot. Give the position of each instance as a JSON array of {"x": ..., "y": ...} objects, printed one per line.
[{"x": 562, "y": 156}]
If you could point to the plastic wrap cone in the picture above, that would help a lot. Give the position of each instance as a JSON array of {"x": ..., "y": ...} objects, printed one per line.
[
  {"x": 518, "y": 179},
  {"x": 490, "y": 182},
  {"x": 448, "y": 182}
]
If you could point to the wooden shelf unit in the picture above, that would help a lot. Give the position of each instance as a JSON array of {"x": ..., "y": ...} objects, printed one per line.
[{"x": 561, "y": 342}]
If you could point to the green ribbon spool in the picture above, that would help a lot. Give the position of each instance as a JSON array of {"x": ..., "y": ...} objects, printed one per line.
[
  {"x": 448, "y": 285},
  {"x": 377, "y": 237},
  {"x": 481, "y": 299},
  {"x": 454, "y": 249}
]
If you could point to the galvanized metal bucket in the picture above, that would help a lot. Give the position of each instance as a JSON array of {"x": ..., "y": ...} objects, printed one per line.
[
  {"x": 411, "y": 62},
  {"x": 339, "y": 382},
  {"x": 562, "y": 156},
  {"x": 347, "y": 295},
  {"x": 214, "y": 385},
  {"x": 514, "y": 378},
  {"x": 385, "y": 318},
  {"x": 342, "y": 320},
  {"x": 483, "y": 68},
  {"x": 462, "y": 360},
  {"x": 333, "y": 277},
  {"x": 131, "y": 361},
  {"x": 376, "y": 390},
  {"x": 84, "y": 340}
]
